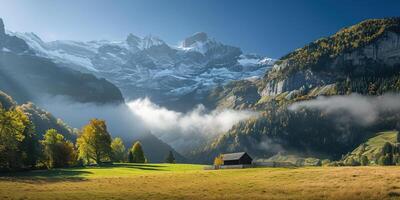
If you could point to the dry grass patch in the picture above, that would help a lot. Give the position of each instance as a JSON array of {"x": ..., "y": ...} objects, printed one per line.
[{"x": 191, "y": 182}]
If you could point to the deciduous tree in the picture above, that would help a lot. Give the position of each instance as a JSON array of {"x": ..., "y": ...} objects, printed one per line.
[
  {"x": 218, "y": 161},
  {"x": 57, "y": 151},
  {"x": 118, "y": 150},
  {"x": 94, "y": 142},
  {"x": 13, "y": 123},
  {"x": 137, "y": 153}
]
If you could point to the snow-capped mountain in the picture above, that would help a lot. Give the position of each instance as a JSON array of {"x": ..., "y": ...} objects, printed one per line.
[{"x": 150, "y": 67}]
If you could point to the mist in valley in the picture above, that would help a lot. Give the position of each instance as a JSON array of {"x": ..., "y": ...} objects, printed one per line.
[
  {"x": 354, "y": 108},
  {"x": 183, "y": 131}
]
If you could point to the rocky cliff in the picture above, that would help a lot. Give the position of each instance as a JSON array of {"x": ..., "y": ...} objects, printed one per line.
[{"x": 360, "y": 50}]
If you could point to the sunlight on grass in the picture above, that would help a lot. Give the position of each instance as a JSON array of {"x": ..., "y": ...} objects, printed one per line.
[
  {"x": 185, "y": 181},
  {"x": 115, "y": 170}
]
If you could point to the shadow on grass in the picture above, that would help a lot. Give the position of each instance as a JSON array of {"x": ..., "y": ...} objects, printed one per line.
[
  {"x": 133, "y": 166},
  {"x": 70, "y": 174},
  {"x": 54, "y": 175}
]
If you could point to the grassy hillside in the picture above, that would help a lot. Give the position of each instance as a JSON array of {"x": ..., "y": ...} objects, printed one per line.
[
  {"x": 372, "y": 149},
  {"x": 165, "y": 181}
]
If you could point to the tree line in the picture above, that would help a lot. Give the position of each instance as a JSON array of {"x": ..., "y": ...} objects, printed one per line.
[{"x": 22, "y": 148}]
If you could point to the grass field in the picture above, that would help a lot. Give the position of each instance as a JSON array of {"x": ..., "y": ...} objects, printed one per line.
[{"x": 181, "y": 181}]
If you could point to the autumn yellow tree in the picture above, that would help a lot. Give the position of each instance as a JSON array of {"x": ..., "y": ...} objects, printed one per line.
[
  {"x": 14, "y": 126},
  {"x": 94, "y": 142},
  {"x": 118, "y": 150},
  {"x": 218, "y": 161},
  {"x": 136, "y": 154},
  {"x": 57, "y": 151}
]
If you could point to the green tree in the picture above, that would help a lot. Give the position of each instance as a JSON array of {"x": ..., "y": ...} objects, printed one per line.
[
  {"x": 398, "y": 136},
  {"x": 29, "y": 147},
  {"x": 118, "y": 150},
  {"x": 57, "y": 151},
  {"x": 130, "y": 156},
  {"x": 170, "y": 158},
  {"x": 396, "y": 159},
  {"x": 137, "y": 153},
  {"x": 13, "y": 124},
  {"x": 94, "y": 142},
  {"x": 387, "y": 148},
  {"x": 384, "y": 160},
  {"x": 364, "y": 160},
  {"x": 351, "y": 162}
]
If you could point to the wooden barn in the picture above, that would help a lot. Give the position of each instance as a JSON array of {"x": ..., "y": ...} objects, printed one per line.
[{"x": 240, "y": 158}]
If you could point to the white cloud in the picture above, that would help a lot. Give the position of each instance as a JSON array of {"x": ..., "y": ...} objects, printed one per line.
[
  {"x": 186, "y": 130},
  {"x": 365, "y": 109}
]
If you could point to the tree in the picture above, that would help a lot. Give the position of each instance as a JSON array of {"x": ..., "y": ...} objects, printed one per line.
[
  {"x": 396, "y": 159},
  {"x": 364, "y": 160},
  {"x": 218, "y": 161},
  {"x": 387, "y": 148},
  {"x": 398, "y": 136},
  {"x": 351, "y": 162},
  {"x": 29, "y": 147},
  {"x": 137, "y": 153},
  {"x": 130, "y": 156},
  {"x": 13, "y": 124},
  {"x": 170, "y": 158},
  {"x": 94, "y": 142},
  {"x": 57, "y": 151},
  {"x": 384, "y": 160},
  {"x": 118, "y": 150}
]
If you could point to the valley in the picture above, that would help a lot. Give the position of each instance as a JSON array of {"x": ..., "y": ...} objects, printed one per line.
[{"x": 193, "y": 116}]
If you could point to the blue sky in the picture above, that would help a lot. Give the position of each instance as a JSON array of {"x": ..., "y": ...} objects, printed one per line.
[{"x": 271, "y": 28}]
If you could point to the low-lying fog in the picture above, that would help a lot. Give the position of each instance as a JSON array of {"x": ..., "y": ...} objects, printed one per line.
[{"x": 183, "y": 131}]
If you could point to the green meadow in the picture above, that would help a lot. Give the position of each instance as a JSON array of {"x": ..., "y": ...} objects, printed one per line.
[{"x": 185, "y": 181}]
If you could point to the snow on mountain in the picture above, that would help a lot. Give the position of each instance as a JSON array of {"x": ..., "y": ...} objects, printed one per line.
[{"x": 150, "y": 67}]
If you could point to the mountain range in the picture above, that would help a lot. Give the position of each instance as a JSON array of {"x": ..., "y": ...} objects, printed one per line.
[
  {"x": 177, "y": 77},
  {"x": 322, "y": 100},
  {"x": 28, "y": 80}
]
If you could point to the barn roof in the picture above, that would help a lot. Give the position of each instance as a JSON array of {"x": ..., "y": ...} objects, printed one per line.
[{"x": 232, "y": 156}]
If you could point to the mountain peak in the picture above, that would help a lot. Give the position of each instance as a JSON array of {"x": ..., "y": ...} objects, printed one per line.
[
  {"x": 151, "y": 40},
  {"x": 2, "y": 29},
  {"x": 133, "y": 40},
  {"x": 197, "y": 37}
]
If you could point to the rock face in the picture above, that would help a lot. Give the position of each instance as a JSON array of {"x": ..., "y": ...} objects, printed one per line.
[
  {"x": 11, "y": 43},
  {"x": 377, "y": 55},
  {"x": 385, "y": 50},
  {"x": 28, "y": 77},
  {"x": 302, "y": 79},
  {"x": 2, "y": 30},
  {"x": 197, "y": 37},
  {"x": 174, "y": 76}
]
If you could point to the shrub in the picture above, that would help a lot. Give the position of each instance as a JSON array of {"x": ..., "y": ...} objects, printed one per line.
[{"x": 364, "y": 160}]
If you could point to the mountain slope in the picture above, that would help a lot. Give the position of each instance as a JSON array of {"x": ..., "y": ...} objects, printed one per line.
[
  {"x": 371, "y": 150},
  {"x": 368, "y": 49},
  {"x": 28, "y": 77},
  {"x": 173, "y": 76},
  {"x": 41, "y": 119},
  {"x": 363, "y": 59}
]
